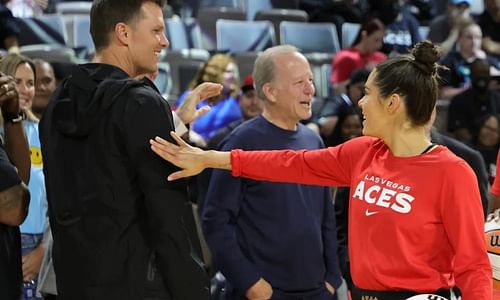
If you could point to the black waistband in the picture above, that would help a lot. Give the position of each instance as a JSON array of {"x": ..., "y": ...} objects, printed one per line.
[{"x": 362, "y": 294}]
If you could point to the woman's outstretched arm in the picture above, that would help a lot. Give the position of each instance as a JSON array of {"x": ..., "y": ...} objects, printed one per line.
[{"x": 191, "y": 160}]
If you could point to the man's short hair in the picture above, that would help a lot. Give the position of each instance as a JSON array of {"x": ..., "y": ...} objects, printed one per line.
[
  {"x": 264, "y": 68},
  {"x": 105, "y": 14}
]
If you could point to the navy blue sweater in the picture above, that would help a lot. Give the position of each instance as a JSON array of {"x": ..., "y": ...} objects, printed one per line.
[{"x": 284, "y": 233}]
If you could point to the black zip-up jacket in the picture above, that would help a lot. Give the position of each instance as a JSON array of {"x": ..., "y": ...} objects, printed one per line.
[{"x": 121, "y": 230}]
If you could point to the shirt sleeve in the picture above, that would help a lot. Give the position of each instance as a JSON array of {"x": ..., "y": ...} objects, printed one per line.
[
  {"x": 463, "y": 222},
  {"x": 166, "y": 202},
  {"x": 495, "y": 188},
  {"x": 327, "y": 167},
  {"x": 180, "y": 128},
  {"x": 222, "y": 206}
]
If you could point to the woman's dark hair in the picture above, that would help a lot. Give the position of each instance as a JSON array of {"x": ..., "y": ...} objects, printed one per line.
[
  {"x": 415, "y": 77},
  {"x": 105, "y": 14},
  {"x": 369, "y": 26}
]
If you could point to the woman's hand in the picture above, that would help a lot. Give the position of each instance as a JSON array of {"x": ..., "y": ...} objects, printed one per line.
[
  {"x": 9, "y": 100},
  {"x": 32, "y": 263},
  {"x": 186, "y": 157},
  {"x": 190, "y": 159}
]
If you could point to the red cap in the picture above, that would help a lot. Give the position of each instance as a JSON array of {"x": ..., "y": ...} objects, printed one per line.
[{"x": 247, "y": 84}]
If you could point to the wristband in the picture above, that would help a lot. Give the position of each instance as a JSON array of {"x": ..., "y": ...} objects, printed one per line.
[{"x": 13, "y": 118}]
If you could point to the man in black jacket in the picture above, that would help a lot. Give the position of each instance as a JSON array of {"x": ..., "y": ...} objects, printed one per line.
[{"x": 121, "y": 231}]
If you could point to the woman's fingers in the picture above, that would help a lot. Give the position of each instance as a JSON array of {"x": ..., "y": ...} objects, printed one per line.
[
  {"x": 161, "y": 150},
  {"x": 178, "y": 139},
  {"x": 177, "y": 175}
]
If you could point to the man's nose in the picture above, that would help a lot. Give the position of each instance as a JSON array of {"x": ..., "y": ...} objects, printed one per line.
[{"x": 164, "y": 41}]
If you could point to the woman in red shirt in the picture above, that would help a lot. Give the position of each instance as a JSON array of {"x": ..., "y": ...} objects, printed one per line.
[
  {"x": 415, "y": 215},
  {"x": 362, "y": 54}
]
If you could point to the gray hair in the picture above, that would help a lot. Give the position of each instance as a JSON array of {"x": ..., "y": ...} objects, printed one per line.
[{"x": 264, "y": 69}]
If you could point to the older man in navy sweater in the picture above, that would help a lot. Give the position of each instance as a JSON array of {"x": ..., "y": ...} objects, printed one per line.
[{"x": 274, "y": 239}]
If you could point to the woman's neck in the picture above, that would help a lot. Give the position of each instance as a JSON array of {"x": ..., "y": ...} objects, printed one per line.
[{"x": 408, "y": 142}]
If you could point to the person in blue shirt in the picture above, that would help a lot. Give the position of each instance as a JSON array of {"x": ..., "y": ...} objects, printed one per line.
[
  {"x": 401, "y": 27},
  {"x": 225, "y": 108},
  {"x": 274, "y": 239}
]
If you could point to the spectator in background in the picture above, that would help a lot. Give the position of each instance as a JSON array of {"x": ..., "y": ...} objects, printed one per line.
[
  {"x": 330, "y": 110},
  {"x": 423, "y": 10},
  {"x": 337, "y": 12},
  {"x": 14, "y": 195},
  {"x": 251, "y": 226},
  {"x": 467, "y": 153},
  {"x": 45, "y": 86},
  {"x": 9, "y": 30},
  {"x": 220, "y": 68},
  {"x": 473, "y": 103},
  {"x": 489, "y": 21},
  {"x": 445, "y": 29},
  {"x": 26, "y": 8},
  {"x": 401, "y": 27},
  {"x": 457, "y": 78},
  {"x": 32, "y": 229},
  {"x": 363, "y": 53},
  {"x": 486, "y": 140},
  {"x": 349, "y": 125}
]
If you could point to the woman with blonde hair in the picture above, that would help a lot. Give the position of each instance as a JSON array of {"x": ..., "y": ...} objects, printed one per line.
[{"x": 220, "y": 68}]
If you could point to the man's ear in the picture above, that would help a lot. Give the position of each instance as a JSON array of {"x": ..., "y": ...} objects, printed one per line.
[
  {"x": 269, "y": 91},
  {"x": 122, "y": 33},
  {"x": 393, "y": 103}
]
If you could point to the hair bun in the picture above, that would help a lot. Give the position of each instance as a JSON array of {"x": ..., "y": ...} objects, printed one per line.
[{"x": 426, "y": 56}]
